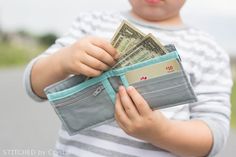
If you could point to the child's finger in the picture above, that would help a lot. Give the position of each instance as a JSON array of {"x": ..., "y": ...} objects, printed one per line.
[
  {"x": 141, "y": 104},
  {"x": 104, "y": 44},
  {"x": 94, "y": 63},
  {"x": 100, "y": 54},
  {"x": 127, "y": 104},
  {"x": 88, "y": 71},
  {"x": 120, "y": 114}
]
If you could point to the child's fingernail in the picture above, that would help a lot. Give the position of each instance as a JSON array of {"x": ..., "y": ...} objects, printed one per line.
[
  {"x": 130, "y": 88},
  {"x": 121, "y": 88}
]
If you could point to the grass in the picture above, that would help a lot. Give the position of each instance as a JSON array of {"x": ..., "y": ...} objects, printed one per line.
[
  {"x": 12, "y": 55},
  {"x": 233, "y": 109}
]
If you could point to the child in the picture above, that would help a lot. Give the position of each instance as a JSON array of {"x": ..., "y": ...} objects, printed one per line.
[{"x": 197, "y": 129}]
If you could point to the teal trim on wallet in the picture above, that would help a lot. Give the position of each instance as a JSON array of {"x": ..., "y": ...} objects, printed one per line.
[
  {"x": 68, "y": 92},
  {"x": 158, "y": 59},
  {"x": 117, "y": 72},
  {"x": 110, "y": 90},
  {"x": 124, "y": 81}
]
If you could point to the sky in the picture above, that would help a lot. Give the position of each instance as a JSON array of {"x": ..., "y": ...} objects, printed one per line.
[{"x": 40, "y": 16}]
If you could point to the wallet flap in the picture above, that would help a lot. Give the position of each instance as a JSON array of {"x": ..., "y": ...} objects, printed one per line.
[{"x": 117, "y": 72}]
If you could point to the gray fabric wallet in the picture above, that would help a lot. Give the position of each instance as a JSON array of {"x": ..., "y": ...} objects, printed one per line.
[{"x": 83, "y": 104}]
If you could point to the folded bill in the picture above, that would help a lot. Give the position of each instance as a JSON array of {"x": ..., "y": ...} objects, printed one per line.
[
  {"x": 126, "y": 36},
  {"x": 146, "y": 49}
]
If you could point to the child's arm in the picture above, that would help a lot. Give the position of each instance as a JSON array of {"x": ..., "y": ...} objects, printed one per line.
[
  {"x": 184, "y": 138},
  {"x": 88, "y": 56}
]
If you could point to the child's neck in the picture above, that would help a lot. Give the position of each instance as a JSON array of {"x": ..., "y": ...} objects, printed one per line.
[{"x": 172, "y": 21}]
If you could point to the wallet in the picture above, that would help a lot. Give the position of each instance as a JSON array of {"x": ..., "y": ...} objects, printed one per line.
[{"x": 83, "y": 104}]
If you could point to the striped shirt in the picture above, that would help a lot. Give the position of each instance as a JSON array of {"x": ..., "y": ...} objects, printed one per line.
[{"x": 206, "y": 64}]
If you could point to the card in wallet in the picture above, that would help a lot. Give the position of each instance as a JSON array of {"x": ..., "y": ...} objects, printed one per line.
[{"x": 83, "y": 104}]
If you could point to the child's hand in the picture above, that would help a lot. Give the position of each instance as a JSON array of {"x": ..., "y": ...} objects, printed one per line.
[
  {"x": 89, "y": 56},
  {"x": 136, "y": 118}
]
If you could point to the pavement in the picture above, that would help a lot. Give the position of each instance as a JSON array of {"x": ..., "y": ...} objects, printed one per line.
[{"x": 28, "y": 128}]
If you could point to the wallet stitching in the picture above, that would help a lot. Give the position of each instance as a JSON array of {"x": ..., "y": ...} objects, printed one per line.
[
  {"x": 166, "y": 89},
  {"x": 78, "y": 95},
  {"x": 76, "y": 99}
]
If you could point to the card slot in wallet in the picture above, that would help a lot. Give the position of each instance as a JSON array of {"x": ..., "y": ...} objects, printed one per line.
[
  {"x": 161, "y": 100},
  {"x": 163, "y": 91},
  {"x": 84, "y": 112},
  {"x": 148, "y": 73},
  {"x": 79, "y": 95},
  {"x": 65, "y": 84},
  {"x": 167, "y": 93},
  {"x": 167, "y": 79}
]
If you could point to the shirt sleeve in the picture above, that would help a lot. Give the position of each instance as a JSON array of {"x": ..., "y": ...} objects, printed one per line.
[
  {"x": 213, "y": 92},
  {"x": 78, "y": 29}
]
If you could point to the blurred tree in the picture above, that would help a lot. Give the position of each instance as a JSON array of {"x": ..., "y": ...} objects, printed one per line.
[
  {"x": 3, "y": 37},
  {"x": 24, "y": 33},
  {"x": 47, "y": 39}
]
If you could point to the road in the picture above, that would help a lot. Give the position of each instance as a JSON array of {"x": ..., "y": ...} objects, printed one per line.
[{"x": 30, "y": 127}]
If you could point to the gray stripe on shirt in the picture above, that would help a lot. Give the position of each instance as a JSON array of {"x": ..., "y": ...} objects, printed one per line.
[
  {"x": 94, "y": 149},
  {"x": 120, "y": 140}
]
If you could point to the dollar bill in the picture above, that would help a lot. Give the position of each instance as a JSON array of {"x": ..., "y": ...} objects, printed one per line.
[
  {"x": 146, "y": 49},
  {"x": 126, "y": 37},
  {"x": 170, "y": 48}
]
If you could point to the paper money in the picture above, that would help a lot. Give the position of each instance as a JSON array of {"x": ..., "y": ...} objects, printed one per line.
[
  {"x": 152, "y": 71},
  {"x": 170, "y": 48},
  {"x": 146, "y": 49},
  {"x": 126, "y": 37}
]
